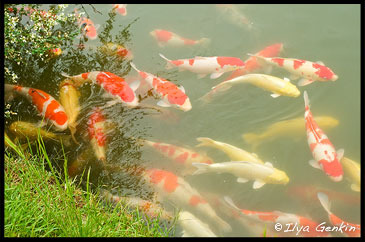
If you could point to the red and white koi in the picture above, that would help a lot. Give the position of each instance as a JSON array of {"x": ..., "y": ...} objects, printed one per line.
[
  {"x": 305, "y": 226},
  {"x": 116, "y": 87},
  {"x": 97, "y": 133},
  {"x": 251, "y": 65},
  {"x": 215, "y": 66},
  {"x": 309, "y": 71},
  {"x": 180, "y": 155},
  {"x": 168, "y": 38},
  {"x": 47, "y": 106},
  {"x": 87, "y": 26},
  {"x": 170, "y": 94},
  {"x": 350, "y": 229},
  {"x": 121, "y": 8},
  {"x": 325, "y": 156},
  {"x": 114, "y": 49},
  {"x": 172, "y": 188}
]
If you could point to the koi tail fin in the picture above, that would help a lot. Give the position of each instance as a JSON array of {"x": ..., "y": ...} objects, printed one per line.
[
  {"x": 229, "y": 201},
  {"x": 134, "y": 67},
  {"x": 223, "y": 225},
  {"x": 252, "y": 139},
  {"x": 323, "y": 199},
  {"x": 72, "y": 128},
  {"x": 223, "y": 86},
  {"x": 204, "y": 142},
  {"x": 169, "y": 65},
  {"x": 306, "y": 99},
  {"x": 202, "y": 168},
  {"x": 260, "y": 60},
  {"x": 204, "y": 42}
]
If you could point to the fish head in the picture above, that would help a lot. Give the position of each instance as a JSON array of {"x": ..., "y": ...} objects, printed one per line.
[
  {"x": 290, "y": 90},
  {"x": 334, "y": 78},
  {"x": 279, "y": 177},
  {"x": 186, "y": 106},
  {"x": 153, "y": 33}
]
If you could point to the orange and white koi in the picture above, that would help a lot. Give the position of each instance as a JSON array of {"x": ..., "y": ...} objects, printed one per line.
[
  {"x": 309, "y": 71},
  {"x": 325, "y": 156},
  {"x": 215, "y": 66},
  {"x": 180, "y": 155},
  {"x": 168, "y": 38},
  {"x": 170, "y": 94},
  {"x": 116, "y": 87},
  {"x": 304, "y": 226},
  {"x": 116, "y": 50},
  {"x": 251, "y": 65},
  {"x": 87, "y": 26},
  {"x": 176, "y": 190},
  {"x": 97, "y": 134},
  {"x": 350, "y": 229},
  {"x": 149, "y": 208},
  {"x": 47, "y": 106},
  {"x": 121, "y": 8}
]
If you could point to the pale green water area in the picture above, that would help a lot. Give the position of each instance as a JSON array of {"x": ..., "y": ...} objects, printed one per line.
[{"x": 327, "y": 33}]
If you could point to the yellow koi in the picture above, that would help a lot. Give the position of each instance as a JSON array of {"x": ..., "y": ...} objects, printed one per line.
[{"x": 352, "y": 171}]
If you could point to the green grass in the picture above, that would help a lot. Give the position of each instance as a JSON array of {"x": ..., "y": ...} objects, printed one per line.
[{"x": 41, "y": 203}]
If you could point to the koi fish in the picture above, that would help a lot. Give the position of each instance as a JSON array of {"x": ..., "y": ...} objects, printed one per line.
[
  {"x": 97, "y": 134},
  {"x": 351, "y": 230},
  {"x": 115, "y": 86},
  {"x": 352, "y": 171},
  {"x": 323, "y": 151},
  {"x": 251, "y": 65},
  {"x": 151, "y": 209},
  {"x": 215, "y": 66},
  {"x": 245, "y": 171},
  {"x": 272, "y": 218},
  {"x": 180, "y": 155},
  {"x": 69, "y": 98},
  {"x": 170, "y": 94},
  {"x": 24, "y": 130},
  {"x": 273, "y": 84},
  {"x": 292, "y": 128},
  {"x": 233, "y": 152},
  {"x": 79, "y": 164},
  {"x": 233, "y": 15},
  {"x": 172, "y": 188},
  {"x": 193, "y": 227},
  {"x": 308, "y": 193},
  {"x": 87, "y": 26},
  {"x": 113, "y": 49},
  {"x": 309, "y": 71},
  {"x": 47, "y": 106},
  {"x": 121, "y": 8},
  {"x": 164, "y": 38}
]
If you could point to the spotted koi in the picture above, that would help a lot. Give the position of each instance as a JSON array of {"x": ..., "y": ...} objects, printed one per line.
[
  {"x": 274, "y": 217},
  {"x": 97, "y": 134},
  {"x": 168, "y": 38},
  {"x": 351, "y": 230},
  {"x": 172, "y": 188},
  {"x": 170, "y": 94},
  {"x": 251, "y": 65},
  {"x": 115, "y": 86},
  {"x": 121, "y": 8},
  {"x": 87, "y": 26},
  {"x": 325, "y": 156},
  {"x": 47, "y": 106},
  {"x": 307, "y": 70},
  {"x": 215, "y": 66}
]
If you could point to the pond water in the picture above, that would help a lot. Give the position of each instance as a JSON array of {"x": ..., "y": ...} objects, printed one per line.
[{"x": 327, "y": 33}]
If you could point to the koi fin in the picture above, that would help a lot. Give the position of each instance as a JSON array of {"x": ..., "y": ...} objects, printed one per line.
[
  {"x": 216, "y": 75},
  {"x": 134, "y": 67},
  {"x": 242, "y": 180},
  {"x": 355, "y": 188},
  {"x": 314, "y": 164},
  {"x": 201, "y": 76},
  {"x": 110, "y": 103},
  {"x": 229, "y": 201},
  {"x": 323, "y": 199},
  {"x": 205, "y": 142},
  {"x": 304, "y": 82},
  {"x": 258, "y": 184},
  {"x": 268, "y": 164},
  {"x": 286, "y": 79},
  {"x": 134, "y": 85},
  {"x": 169, "y": 65},
  {"x": 320, "y": 62},
  {"x": 275, "y": 95},
  {"x": 340, "y": 153},
  {"x": 224, "y": 86},
  {"x": 65, "y": 75},
  {"x": 202, "y": 168},
  {"x": 306, "y": 99},
  {"x": 181, "y": 88},
  {"x": 161, "y": 103}
]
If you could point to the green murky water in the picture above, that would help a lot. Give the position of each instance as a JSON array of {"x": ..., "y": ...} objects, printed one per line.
[{"x": 327, "y": 33}]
